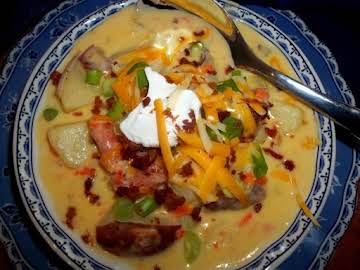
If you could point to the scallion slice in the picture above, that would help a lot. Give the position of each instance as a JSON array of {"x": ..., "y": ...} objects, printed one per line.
[{"x": 93, "y": 77}]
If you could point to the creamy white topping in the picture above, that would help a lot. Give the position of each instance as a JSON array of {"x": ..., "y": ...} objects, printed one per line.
[{"x": 140, "y": 124}]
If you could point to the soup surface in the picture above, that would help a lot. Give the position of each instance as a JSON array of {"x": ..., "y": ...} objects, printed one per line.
[{"x": 82, "y": 199}]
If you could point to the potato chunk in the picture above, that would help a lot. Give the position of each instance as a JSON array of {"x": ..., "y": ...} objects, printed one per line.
[
  {"x": 71, "y": 142},
  {"x": 288, "y": 116},
  {"x": 72, "y": 90}
]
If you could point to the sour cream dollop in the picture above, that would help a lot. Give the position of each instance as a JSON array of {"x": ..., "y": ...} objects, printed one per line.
[{"x": 140, "y": 125}]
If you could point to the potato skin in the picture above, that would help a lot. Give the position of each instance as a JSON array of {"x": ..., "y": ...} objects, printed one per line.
[{"x": 71, "y": 142}]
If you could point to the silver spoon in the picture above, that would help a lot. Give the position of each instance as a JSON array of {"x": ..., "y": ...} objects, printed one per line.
[{"x": 342, "y": 114}]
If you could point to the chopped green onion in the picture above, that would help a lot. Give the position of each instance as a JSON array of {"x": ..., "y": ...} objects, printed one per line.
[
  {"x": 260, "y": 166},
  {"x": 234, "y": 127},
  {"x": 230, "y": 83},
  {"x": 124, "y": 209},
  {"x": 211, "y": 134},
  {"x": 142, "y": 80},
  {"x": 93, "y": 77},
  {"x": 116, "y": 111},
  {"x": 236, "y": 72},
  {"x": 196, "y": 50},
  {"x": 145, "y": 205},
  {"x": 139, "y": 65},
  {"x": 107, "y": 87},
  {"x": 192, "y": 246},
  {"x": 50, "y": 113}
]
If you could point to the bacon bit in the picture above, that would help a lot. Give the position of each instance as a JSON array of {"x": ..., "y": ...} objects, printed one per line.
[
  {"x": 232, "y": 155},
  {"x": 247, "y": 139},
  {"x": 88, "y": 184},
  {"x": 132, "y": 193},
  {"x": 77, "y": 113},
  {"x": 199, "y": 33},
  {"x": 168, "y": 79},
  {"x": 289, "y": 165},
  {"x": 189, "y": 125},
  {"x": 271, "y": 152},
  {"x": 228, "y": 69},
  {"x": 55, "y": 77},
  {"x": 95, "y": 156},
  {"x": 146, "y": 101},
  {"x": 180, "y": 233},
  {"x": 156, "y": 267},
  {"x": 246, "y": 219},
  {"x": 195, "y": 214},
  {"x": 186, "y": 170},
  {"x": 85, "y": 171},
  {"x": 175, "y": 20},
  {"x": 86, "y": 238},
  {"x": 184, "y": 61},
  {"x": 233, "y": 172},
  {"x": 173, "y": 201},
  {"x": 97, "y": 105},
  {"x": 223, "y": 114},
  {"x": 182, "y": 39},
  {"x": 257, "y": 207},
  {"x": 247, "y": 177},
  {"x": 70, "y": 214},
  {"x": 212, "y": 85},
  {"x": 110, "y": 102},
  {"x": 271, "y": 132},
  {"x": 227, "y": 163},
  {"x": 261, "y": 181},
  {"x": 160, "y": 194},
  {"x": 168, "y": 114},
  {"x": 209, "y": 69},
  {"x": 183, "y": 210},
  {"x": 262, "y": 94}
]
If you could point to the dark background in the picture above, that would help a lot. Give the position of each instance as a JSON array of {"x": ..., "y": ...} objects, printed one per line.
[{"x": 336, "y": 23}]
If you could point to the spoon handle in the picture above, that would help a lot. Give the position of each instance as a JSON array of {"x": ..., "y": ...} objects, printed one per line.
[{"x": 342, "y": 114}]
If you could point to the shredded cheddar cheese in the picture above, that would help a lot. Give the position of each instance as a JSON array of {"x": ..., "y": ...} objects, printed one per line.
[
  {"x": 163, "y": 138},
  {"x": 208, "y": 183},
  {"x": 247, "y": 118}
]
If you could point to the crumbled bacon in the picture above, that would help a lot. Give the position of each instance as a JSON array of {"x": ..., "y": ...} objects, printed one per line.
[
  {"x": 182, "y": 39},
  {"x": 140, "y": 158},
  {"x": 187, "y": 52},
  {"x": 156, "y": 267},
  {"x": 168, "y": 114},
  {"x": 132, "y": 193},
  {"x": 271, "y": 152},
  {"x": 88, "y": 185},
  {"x": 212, "y": 85},
  {"x": 195, "y": 214},
  {"x": 289, "y": 164},
  {"x": 228, "y": 69},
  {"x": 86, "y": 237},
  {"x": 185, "y": 61},
  {"x": 77, "y": 113},
  {"x": 70, "y": 215},
  {"x": 271, "y": 132},
  {"x": 95, "y": 156},
  {"x": 160, "y": 194},
  {"x": 110, "y": 102},
  {"x": 163, "y": 194},
  {"x": 97, "y": 105},
  {"x": 247, "y": 139},
  {"x": 55, "y": 77},
  {"x": 257, "y": 207},
  {"x": 186, "y": 170},
  {"x": 189, "y": 125},
  {"x": 146, "y": 101},
  {"x": 168, "y": 79},
  {"x": 222, "y": 115},
  {"x": 199, "y": 33},
  {"x": 232, "y": 155}
]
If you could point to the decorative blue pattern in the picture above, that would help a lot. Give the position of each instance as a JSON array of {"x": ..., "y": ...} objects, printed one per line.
[{"x": 40, "y": 52}]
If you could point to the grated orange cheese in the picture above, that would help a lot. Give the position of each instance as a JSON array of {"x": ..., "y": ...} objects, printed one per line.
[
  {"x": 226, "y": 180},
  {"x": 196, "y": 154},
  {"x": 281, "y": 175},
  {"x": 246, "y": 117},
  {"x": 300, "y": 200},
  {"x": 208, "y": 183},
  {"x": 163, "y": 138}
]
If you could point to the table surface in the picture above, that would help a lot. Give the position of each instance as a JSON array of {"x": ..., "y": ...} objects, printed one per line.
[{"x": 324, "y": 21}]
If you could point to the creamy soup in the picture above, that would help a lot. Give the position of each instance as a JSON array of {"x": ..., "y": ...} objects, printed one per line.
[{"x": 81, "y": 190}]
